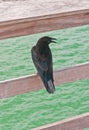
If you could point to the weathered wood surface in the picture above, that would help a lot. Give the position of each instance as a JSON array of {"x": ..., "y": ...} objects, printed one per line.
[
  {"x": 76, "y": 123},
  {"x": 29, "y": 83},
  {"x": 18, "y": 9},
  {"x": 40, "y": 24},
  {"x": 24, "y": 17}
]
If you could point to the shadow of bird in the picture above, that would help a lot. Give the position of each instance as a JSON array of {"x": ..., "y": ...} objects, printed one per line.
[{"x": 42, "y": 59}]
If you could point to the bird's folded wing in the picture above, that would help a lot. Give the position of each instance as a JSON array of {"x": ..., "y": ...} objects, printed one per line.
[{"x": 40, "y": 63}]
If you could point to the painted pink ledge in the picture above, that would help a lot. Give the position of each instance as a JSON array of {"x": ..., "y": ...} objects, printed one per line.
[
  {"x": 38, "y": 24},
  {"x": 30, "y": 83},
  {"x": 75, "y": 123}
]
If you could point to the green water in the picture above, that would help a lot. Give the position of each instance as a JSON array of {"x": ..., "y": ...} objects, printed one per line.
[
  {"x": 38, "y": 108},
  {"x": 15, "y": 54}
]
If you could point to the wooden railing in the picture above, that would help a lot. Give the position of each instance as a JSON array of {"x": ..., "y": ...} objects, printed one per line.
[
  {"x": 20, "y": 85},
  {"x": 33, "y": 82},
  {"x": 39, "y": 24},
  {"x": 75, "y": 123}
]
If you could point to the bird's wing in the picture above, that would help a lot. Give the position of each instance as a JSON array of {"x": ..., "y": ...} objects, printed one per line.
[
  {"x": 50, "y": 65},
  {"x": 40, "y": 63}
]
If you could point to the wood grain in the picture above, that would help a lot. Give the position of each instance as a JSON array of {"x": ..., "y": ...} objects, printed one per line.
[{"x": 40, "y": 24}]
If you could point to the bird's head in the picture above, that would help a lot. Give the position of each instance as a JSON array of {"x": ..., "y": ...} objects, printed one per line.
[{"x": 46, "y": 40}]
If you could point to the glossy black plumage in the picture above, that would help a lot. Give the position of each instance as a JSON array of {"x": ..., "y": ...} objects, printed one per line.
[{"x": 42, "y": 59}]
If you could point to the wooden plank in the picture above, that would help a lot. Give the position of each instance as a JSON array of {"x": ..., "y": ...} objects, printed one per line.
[
  {"x": 76, "y": 123},
  {"x": 18, "y": 9},
  {"x": 29, "y": 83},
  {"x": 40, "y": 24}
]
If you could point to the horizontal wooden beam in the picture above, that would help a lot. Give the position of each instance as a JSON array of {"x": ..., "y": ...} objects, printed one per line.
[
  {"x": 76, "y": 123},
  {"x": 29, "y": 83},
  {"x": 39, "y": 24}
]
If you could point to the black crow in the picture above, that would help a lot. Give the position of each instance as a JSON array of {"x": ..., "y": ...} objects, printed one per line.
[{"x": 42, "y": 59}]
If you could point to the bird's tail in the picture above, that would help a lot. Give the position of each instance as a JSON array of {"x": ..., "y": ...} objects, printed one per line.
[
  {"x": 49, "y": 84},
  {"x": 51, "y": 87},
  {"x": 48, "y": 81}
]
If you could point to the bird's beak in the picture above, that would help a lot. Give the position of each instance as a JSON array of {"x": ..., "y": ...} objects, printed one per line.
[{"x": 53, "y": 40}]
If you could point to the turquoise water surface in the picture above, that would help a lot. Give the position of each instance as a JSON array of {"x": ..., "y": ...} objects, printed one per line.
[{"x": 30, "y": 110}]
